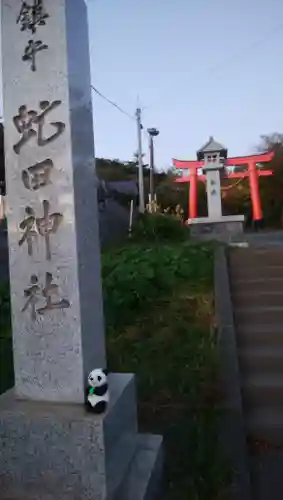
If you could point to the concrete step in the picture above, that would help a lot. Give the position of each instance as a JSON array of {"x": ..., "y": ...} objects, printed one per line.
[
  {"x": 262, "y": 390},
  {"x": 252, "y": 257},
  {"x": 144, "y": 475},
  {"x": 121, "y": 418},
  {"x": 266, "y": 469},
  {"x": 118, "y": 463},
  {"x": 255, "y": 272},
  {"x": 256, "y": 284},
  {"x": 259, "y": 334},
  {"x": 258, "y": 298},
  {"x": 265, "y": 424},
  {"x": 262, "y": 315},
  {"x": 265, "y": 360}
]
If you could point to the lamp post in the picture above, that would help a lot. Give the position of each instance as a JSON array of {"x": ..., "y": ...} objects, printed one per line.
[{"x": 152, "y": 132}]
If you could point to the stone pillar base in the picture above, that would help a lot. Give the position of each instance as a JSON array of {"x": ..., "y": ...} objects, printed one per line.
[
  {"x": 54, "y": 451},
  {"x": 221, "y": 229}
]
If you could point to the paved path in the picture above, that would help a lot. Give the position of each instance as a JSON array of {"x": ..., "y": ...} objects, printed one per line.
[
  {"x": 264, "y": 238},
  {"x": 256, "y": 282}
]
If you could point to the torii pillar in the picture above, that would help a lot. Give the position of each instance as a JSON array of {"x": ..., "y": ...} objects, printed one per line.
[{"x": 252, "y": 173}]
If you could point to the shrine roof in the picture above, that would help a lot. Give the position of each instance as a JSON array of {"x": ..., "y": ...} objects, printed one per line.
[{"x": 211, "y": 146}]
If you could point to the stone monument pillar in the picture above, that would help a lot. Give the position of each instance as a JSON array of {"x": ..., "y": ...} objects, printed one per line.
[
  {"x": 216, "y": 224},
  {"x": 52, "y": 204},
  {"x": 50, "y": 448},
  {"x": 213, "y": 165}
]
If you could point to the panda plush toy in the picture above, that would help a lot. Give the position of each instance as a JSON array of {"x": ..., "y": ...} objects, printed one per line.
[{"x": 97, "y": 394}]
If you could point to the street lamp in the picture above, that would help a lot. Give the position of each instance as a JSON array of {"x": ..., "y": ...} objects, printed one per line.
[{"x": 152, "y": 132}]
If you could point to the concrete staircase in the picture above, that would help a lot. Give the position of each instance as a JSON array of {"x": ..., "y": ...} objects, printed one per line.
[{"x": 256, "y": 281}]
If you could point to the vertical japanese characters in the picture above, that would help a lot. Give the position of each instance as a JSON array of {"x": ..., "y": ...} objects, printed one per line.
[
  {"x": 31, "y": 17},
  {"x": 39, "y": 298}
]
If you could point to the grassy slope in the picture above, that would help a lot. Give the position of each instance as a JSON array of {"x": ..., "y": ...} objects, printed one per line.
[
  {"x": 159, "y": 316},
  {"x": 169, "y": 341}
]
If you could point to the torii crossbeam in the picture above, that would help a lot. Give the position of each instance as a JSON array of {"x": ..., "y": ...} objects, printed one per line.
[{"x": 253, "y": 173}]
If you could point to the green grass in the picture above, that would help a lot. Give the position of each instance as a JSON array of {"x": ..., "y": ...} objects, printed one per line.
[
  {"x": 158, "y": 303},
  {"x": 169, "y": 341},
  {"x": 135, "y": 276}
]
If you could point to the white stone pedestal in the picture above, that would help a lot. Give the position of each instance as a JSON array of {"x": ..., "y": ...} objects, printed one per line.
[
  {"x": 52, "y": 451},
  {"x": 221, "y": 228}
]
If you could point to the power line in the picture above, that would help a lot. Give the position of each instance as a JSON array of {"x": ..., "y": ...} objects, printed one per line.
[
  {"x": 244, "y": 51},
  {"x": 209, "y": 71},
  {"x": 140, "y": 130},
  {"x": 119, "y": 108},
  {"x": 112, "y": 103}
]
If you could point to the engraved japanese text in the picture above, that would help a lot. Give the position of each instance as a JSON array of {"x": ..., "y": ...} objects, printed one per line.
[
  {"x": 44, "y": 226},
  {"x": 38, "y": 175},
  {"x": 30, "y": 123},
  {"x": 31, "y": 16},
  {"x": 36, "y": 294}
]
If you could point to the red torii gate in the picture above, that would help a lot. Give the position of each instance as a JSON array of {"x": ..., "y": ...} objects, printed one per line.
[{"x": 253, "y": 173}]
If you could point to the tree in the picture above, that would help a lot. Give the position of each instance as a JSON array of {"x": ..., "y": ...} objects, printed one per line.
[
  {"x": 271, "y": 188},
  {"x": 169, "y": 193},
  {"x": 115, "y": 170},
  {"x": 271, "y": 142}
]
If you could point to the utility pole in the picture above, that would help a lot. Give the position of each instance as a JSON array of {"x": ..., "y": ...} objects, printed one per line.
[
  {"x": 140, "y": 162},
  {"x": 152, "y": 132},
  {"x": 151, "y": 168}
]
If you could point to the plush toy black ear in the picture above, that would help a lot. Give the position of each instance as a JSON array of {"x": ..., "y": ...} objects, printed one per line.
[{"x": 105, "y": 371}]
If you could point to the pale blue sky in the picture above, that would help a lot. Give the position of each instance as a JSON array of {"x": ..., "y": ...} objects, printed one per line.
[{"x": 199, "y": 67}]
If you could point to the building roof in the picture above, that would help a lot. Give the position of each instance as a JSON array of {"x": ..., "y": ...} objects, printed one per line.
[{"x": 212, "y": 146}]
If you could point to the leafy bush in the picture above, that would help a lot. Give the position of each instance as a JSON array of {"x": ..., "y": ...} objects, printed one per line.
[
  {"x": 159, "y": 227},
  {"x": 158, "y": 302},
  {"x": 5, "y": 321},
  {"x": 159, "y": 310},
  {"x": 134, "y": 276}
]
